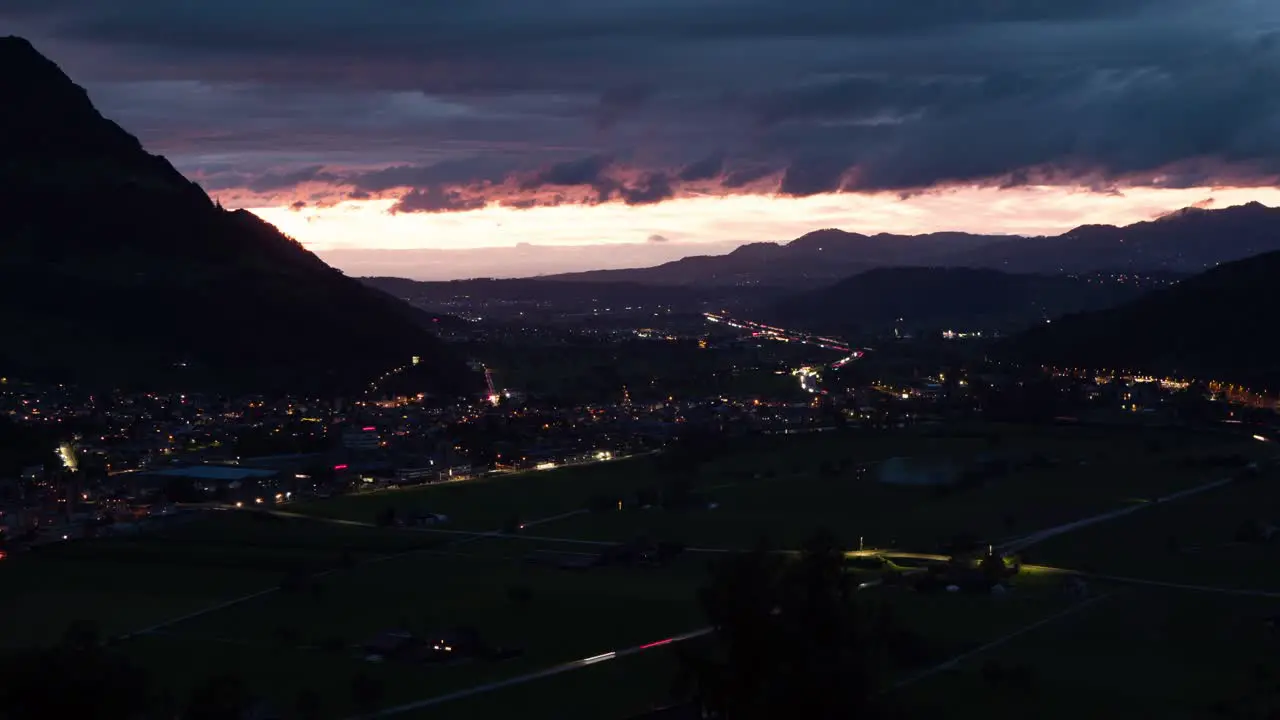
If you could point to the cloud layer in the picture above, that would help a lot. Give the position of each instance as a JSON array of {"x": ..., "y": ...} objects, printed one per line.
[{"x": 451, "y": 106}]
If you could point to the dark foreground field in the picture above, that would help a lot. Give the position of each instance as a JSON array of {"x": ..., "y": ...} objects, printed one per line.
[{"x": 286, "y": 602}]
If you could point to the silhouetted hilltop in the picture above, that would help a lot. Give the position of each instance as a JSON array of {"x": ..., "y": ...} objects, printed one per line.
[
  {"x": 115, "y": 269},
  {"x": 1190, "y": 240},
  {"x": 819, "y": 257},
  {"x": 1182, "y": 242},
  {"x": 962, "y": 299},
  {"x": 1212, "y": 326}
]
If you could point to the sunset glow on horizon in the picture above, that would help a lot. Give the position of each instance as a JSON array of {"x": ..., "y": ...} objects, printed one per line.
[{"x": 364, "y": 238}]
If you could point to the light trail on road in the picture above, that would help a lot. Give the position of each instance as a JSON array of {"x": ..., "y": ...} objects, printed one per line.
[
  {"x": 784, "y": 335},
  {"x": 530, "y": 677}
]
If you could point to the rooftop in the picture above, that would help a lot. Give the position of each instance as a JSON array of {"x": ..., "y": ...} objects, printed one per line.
[{"x": 213, "y": 472}]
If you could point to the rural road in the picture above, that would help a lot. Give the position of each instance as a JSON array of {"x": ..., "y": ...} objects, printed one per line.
[
  {"x": 268, "y": 591},
  {"x": 1042, "y": 535},
  {"x": 537, "y": 675}
]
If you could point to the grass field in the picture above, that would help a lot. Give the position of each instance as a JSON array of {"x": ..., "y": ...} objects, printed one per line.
[
  {"x": 375, "y": 580},
  {"x": 1193, "y": 543},
  {"x": 486, "y": 503},
  {"x": 1189, "y": 649},
  {"x": 1092, "y": 472},
  {"x": 1138, "y": 653}
]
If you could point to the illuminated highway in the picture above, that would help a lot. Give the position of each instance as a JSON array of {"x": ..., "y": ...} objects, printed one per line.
[
  {"x": 772, "y": 332},
  {"x": 809, "y": 377}
]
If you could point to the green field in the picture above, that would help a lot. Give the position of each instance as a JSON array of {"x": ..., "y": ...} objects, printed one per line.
[
  {"x": 487, "y": 503},
  {"x": 1091, "y": 472},
  {"x": 299, "y": 636},
  {"x": 1137, "y": 653},
  {"x": 1192, "y": 542},
  {"x": 1198, "y": 645}
]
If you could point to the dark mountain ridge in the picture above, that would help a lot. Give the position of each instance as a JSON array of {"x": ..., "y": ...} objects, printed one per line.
[
  {"x": 117, "y": 270},
  {"x": 816, "y": 257},
  {"x": 919, "y": 299},
  {"x": 1182, "y": 242},
  {"x": 1213, "y": 326},
  {"x": 1190, "y": 240}
]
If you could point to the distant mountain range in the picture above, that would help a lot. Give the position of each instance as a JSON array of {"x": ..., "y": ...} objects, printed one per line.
[
  {"x": 962, "y": 299},
  {"x": 1217, "y": 325},
  {"x": 1187, "y": 241},
  {"x": 819, "y": 257},
  {"x": 115, "y": 269}
]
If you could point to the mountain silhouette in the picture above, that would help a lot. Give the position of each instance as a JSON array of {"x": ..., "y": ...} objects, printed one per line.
[
  {"x": 822, "y": 256},
  {"x": 1214, "y": 326},
  {"x": 1183, "y": 242},
  {"x": 931, "y": 299},
  {"x": 117, "y": 270}
]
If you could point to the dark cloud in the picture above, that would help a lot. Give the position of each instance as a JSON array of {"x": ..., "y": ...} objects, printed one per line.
[
  {"x": 298, "y": 205},
  {"x": 814, "y": 174},
  {"x": 435, "y": 200},
  {"x": 280, "y": 181},
  {"x": 463, "y": 170},
  {"x": 652, "y": 188},
  {"x": 744, "y": 176},
  {"x": 589, "y": 171},
  {"x": 506, "y": 100},
  {"x": 584, "y": 171},
  {"x": 658, "y": 238},
  {"x": 705, "y": 169},
  {"x": 617, "y": 103},
  {"x": 520, "y": 203}
]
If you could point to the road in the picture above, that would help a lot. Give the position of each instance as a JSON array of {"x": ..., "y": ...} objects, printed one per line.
[
  {"x": 472, "y": 537},
  {"x": 954, "y": 661},
  {"x": 1027, "y": 541},
  {"x": 784, "y": 335},
  {"x": 537, "y": 675}
]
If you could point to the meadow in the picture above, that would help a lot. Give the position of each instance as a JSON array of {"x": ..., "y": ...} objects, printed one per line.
[{"x": 311, "y": 590}]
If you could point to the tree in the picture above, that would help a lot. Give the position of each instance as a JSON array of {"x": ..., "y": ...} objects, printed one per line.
[
  {"x": 520, "y": 596},
  {"x": 366, "y": 693},
  {"x": 1010, "y": 522},
  {"x": 789, "y": 639},
  {"x": 221, "y": 697},
  {"x": 77, "y": 678},
  {"x": 308, "y": 706},
  {"x": 993, "y": 567}
]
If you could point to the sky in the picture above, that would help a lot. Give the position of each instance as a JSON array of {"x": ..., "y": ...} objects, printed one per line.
[{"x": 510, "y": 138}]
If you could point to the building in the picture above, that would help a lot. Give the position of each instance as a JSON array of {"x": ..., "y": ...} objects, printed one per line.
[
  {"x": 409, "y": 476},
  {"x": 918, "y": 471},
  {"x": 362, "y": 438}
]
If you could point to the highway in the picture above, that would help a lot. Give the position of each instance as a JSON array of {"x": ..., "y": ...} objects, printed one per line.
[
  {"x": 809, "y": 377},
  {"x": 784, "y": 335}
]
